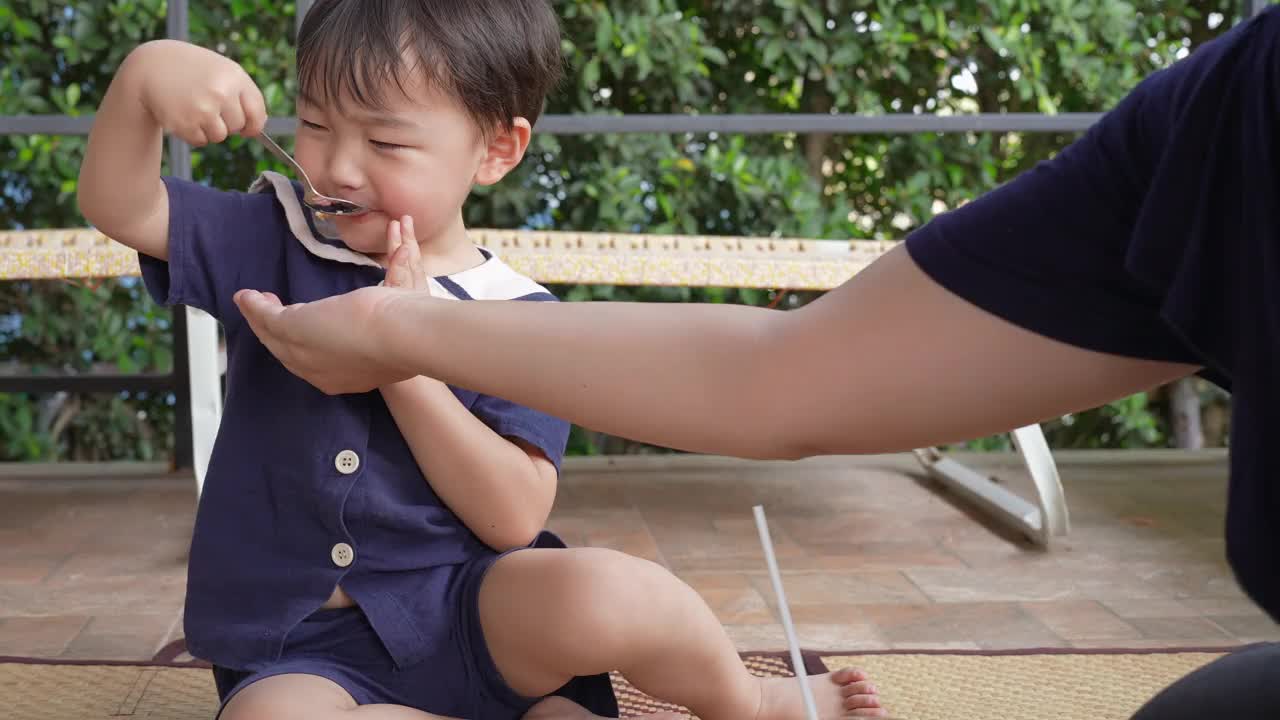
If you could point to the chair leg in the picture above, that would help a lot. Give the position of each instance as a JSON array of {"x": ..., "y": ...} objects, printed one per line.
[
  {"x": 1040, "y": 522},
  {"x": 206, "y": 389}
]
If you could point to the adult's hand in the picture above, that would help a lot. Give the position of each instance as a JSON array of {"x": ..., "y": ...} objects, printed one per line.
[{"x": 333, "y": 343}]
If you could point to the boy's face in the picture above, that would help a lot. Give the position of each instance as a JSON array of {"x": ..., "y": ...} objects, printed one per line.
[{"x": 419, "y": 156}]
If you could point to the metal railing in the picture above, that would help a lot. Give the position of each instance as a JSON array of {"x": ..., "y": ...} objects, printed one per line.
[{"x": 553, "y": 124}]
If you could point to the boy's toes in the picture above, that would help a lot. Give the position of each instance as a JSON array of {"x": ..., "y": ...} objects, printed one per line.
[
  {"x": 844, "y": 676},
  {"x": 859, "y": 688},
  {"x": 861, "y": 700}
]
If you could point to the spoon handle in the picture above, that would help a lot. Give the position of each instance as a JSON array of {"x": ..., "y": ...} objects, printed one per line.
[{"x": 286, "y": 158}]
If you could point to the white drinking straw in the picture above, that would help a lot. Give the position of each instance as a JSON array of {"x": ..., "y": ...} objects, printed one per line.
[{"x": 796, "y": 661}]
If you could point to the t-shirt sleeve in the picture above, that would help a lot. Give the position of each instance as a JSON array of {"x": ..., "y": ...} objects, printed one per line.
[
  {"x": 1119, "y": 243},
  {"x": 548, "y": 433},
  {"x": 212, "y": 235},
  {"x": 545, "y": 432}
]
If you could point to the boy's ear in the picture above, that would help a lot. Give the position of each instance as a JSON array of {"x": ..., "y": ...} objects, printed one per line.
[{"x": 505, "y": 151}]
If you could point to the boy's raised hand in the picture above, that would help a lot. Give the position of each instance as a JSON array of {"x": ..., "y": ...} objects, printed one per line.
[
  {"x": 197, "y": 94},
  {"x": 404, "y": 268}
]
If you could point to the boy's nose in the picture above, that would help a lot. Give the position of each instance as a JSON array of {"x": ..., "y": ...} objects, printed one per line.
[{"x": 345, "y": 173}]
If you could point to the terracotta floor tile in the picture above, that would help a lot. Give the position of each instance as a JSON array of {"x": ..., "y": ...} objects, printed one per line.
[
  {"x": 570, "y": 528},
  {"x": 1250, "y": 628},
  {"x": 162, "y": 557},
  {"x": 1081, "y": 620},
  {"x": 810, "y": 636},
  {"x": 1183, "y": 630},
  {"x": 43, "y": 636},
  {"x": 28, "y": 568},
  {"x": 847, "y": 588},
  {"x": 95, "y": 596},
  {"x": 886, "y": 555},
  {"x": 993, "y": 553},
  {"x": 836, "y": 637},
  {"x": 732, "y": 597},
  {"x": 584, "y": 492},
  {"x": 946, "y": 585},
  {"x": 176, "y": 630},
  {"x": 988, "y": 625},
  {"x": 632, "y": 541},
  {"x": 1023, "y": 641},
  {"x": 755, "y": 636},
  {"x": 952, "y": 645},
  {"x": 829, "y": 613},
  {"x": 1150, "y": 608},
  {"x": 618, "y": 529},
  {"x": 1151, "y": 644},
  {"x": 873, "y": 555},
  {"x": 850, "y": 528},
  {"x": 120, "y": 637},
  {"x": 692, "y": 543},
  {"x": 1031, "y": 584},
  {"x": 1187, "y": 580},
  {"x": 1218, "y": 606}
]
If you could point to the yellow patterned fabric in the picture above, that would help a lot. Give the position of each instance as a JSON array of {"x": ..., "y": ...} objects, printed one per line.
[
  {"x": 547, "y": 257},
  {"x": 1108, "y": 685},
  {"x": 34, "y": 691},
  {"x": 1066, "y": 686}
]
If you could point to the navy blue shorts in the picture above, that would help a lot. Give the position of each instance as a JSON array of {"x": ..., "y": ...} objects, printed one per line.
[{"x": 460, "y": 681}]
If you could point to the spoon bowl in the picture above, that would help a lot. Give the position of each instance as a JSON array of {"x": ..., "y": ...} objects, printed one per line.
[{"x": 310, "y": 197}]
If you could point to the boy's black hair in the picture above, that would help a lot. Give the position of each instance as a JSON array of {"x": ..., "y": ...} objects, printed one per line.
[{"x": 499, "y": 58}]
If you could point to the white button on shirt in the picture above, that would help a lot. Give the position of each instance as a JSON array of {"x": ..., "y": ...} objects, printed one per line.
[
  {"x": 342, "y": 555},
  {"x": 347, "y": 462}
]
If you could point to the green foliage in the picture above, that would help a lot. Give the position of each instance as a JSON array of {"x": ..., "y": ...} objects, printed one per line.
[{"x": 624, "y": 56}]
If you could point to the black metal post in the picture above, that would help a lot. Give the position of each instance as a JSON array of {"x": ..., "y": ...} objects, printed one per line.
[
  {"x": 178, "y": 28},
  {"x": 300, "y": 9}
]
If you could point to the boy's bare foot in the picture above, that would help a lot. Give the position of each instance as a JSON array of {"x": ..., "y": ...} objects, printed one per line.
[{"x": 840, "y": 694}]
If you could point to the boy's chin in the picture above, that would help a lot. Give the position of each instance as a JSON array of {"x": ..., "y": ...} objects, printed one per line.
[{"x": 365, "y": 240}]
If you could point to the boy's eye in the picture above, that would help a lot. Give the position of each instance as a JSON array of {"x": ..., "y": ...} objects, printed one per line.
[
  {"x": 312, "y": 126},
  {"x": 385, "y": 145}
]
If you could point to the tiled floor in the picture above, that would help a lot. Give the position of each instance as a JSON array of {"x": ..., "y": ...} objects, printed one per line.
[{"x": 873, "y": 556}]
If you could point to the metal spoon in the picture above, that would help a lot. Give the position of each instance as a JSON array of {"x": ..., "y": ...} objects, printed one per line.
[{"x": 312, "y": 199}]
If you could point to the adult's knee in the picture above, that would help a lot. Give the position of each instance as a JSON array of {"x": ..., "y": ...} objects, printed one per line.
[{"x": 1244, "y": 685}]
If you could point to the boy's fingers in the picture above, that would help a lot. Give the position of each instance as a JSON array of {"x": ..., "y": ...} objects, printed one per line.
[
  {"x": 255, "y": 111},
  {"x": 233, "y": 116},
  {"x": 415, "y": 254},
  {"x": 399, "y": 270},
  {"x": 193, "y": 135},
  {"x": 397, "y": 275},
  {"x": 415, "y": 251},
  {"x": 214, "y": 129},
  {"x": 406, "y": 228},
  {"x": 394, "y": 238}
]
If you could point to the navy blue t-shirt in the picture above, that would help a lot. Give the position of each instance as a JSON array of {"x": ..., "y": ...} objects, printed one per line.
[
  {"x": 1155, "y": 236},
  {"x": 306, "y": 491}
]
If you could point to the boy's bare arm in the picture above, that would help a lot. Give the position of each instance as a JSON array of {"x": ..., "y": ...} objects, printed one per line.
[
  {"x": 165, "y": 85},
  {"x": 500, "y": 490}
]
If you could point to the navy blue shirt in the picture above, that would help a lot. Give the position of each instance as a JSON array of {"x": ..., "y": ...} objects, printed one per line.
[
  {"x": 1157, "y": 235},
  {"x": 306, "y": 491}
]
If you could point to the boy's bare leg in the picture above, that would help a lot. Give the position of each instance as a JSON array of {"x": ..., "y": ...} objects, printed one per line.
[
  {"x": 558, "y": 708},
  {"x": 549, "y": 615},
  {"x": 309, "y": 697}
]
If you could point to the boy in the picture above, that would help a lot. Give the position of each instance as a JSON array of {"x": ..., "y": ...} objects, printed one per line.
[{"x": 383, "y": 554}]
